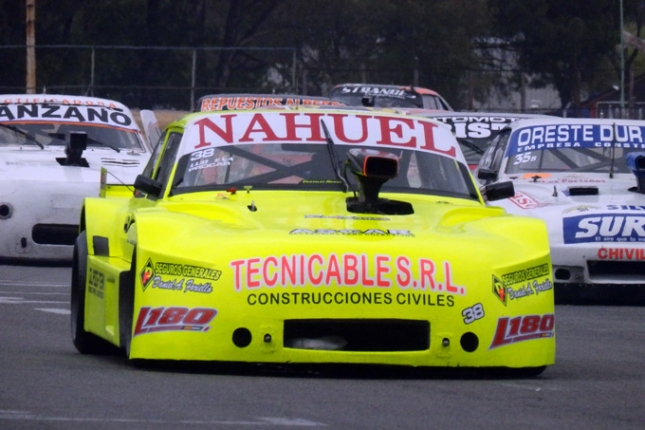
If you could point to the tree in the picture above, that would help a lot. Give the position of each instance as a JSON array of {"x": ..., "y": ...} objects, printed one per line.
[
  {"x": 560, "y": 42},
  {"x": 385, "y": 41}
]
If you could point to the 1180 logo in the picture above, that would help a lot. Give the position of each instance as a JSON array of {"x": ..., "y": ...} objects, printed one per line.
[
  {"x": 526, "y": 327},
  {"x": 151, "y": 320}
]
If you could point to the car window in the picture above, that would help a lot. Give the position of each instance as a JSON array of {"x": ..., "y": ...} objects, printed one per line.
[
  {"x": 493, "y": 156},
  {"x": 434, "y": 102},
  {"x": 152, "y": 165},
  {"x": 168, "y": 157},
  {"x": 56, "y": 134},
  {"x": 577, "y": 147},
  {"x": 569, "y": 159},
  {"x": 297, "y": 166}
]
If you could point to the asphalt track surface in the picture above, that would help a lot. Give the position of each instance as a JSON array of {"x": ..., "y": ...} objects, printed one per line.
[{"x": 598, "y": 381}]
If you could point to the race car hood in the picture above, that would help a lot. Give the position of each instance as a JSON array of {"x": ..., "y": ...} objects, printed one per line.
[
  {"x": 575, "y": 206},
  {"x": 245, "y": 230},
  {"x": 21, "y": 165}
]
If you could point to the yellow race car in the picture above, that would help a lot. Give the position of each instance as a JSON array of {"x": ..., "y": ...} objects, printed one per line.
[{"x": 312, "y": 236}]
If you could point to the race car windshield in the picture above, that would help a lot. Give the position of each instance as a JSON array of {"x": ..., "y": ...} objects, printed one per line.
[
  {"x": 378, "y": 101},
  {"x": 55, "y": 134},
  {"x": 308, "y": 166},
  {"x": 597, "y": 160},
  {"x": 576, "y": 147}
]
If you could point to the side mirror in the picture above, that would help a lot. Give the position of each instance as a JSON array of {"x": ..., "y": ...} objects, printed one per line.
[
  {"x": 636, "y": 163},
  {"x": 368, "y": 101},
  {"x": 498, "y": 191},
  {"x": 75, "y": 144},
  {"x": 486, "y": 174},
  {"x": 149, "y": 186},
  {"x": 373, "y": 164}
]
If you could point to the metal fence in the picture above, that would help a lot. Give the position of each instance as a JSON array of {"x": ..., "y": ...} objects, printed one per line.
[
  {"x": 175, "y": 77},
  {"x": 156, "y": 77}
]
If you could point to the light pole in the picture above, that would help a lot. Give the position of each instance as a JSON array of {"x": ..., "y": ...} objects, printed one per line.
[
  {"x": 31, "y": 46},
  {"x": 622, "y": 64}
]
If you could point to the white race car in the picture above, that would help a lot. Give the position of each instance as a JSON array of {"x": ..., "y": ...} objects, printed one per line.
[
  {"x": 473, "y": 130},
  {"x": 52, "y": 151},
  {"x": 586, "y": 179}
]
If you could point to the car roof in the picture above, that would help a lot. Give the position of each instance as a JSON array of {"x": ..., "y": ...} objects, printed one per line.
[
  {"x": 434, "y": 113},
  {"x": 548, "y": 120},
  {"x": 61, "y": 99},
  {"x": 233, "y": 101},
  {"x": 420, "y": 90},
  {"x": 196, "y": 116}
]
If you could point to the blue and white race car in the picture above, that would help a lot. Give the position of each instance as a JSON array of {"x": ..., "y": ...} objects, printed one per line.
[{"x": 586, "y": 179}]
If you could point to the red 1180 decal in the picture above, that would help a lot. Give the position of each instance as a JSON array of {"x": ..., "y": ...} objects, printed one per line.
[
  {"x": 173, "y": 319},
  {"x": 526, "y": 327}
]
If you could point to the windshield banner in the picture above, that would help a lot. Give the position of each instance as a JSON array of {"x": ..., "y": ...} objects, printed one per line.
[
  {"x": 64, "y": 113},
  {"x": 305, "y": 127},
  {"x": 557, "y": 136}
]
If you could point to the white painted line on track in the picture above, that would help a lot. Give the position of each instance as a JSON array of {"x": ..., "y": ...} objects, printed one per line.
[
  {"x": 529, "y": 386},
  {"x": 6, "y": 283},
  {"x": 35, "y": 293},
  {"x": 55, "y": 311},
  {"x": 267, "y": 421},
  {"x": 21, "y": 300}
]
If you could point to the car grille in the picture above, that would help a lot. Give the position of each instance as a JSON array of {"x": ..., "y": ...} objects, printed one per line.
[
  {"x": 626, "y": 270},
  {"x": 54, "y": 234},
  {"x": 358, "y": 335}
]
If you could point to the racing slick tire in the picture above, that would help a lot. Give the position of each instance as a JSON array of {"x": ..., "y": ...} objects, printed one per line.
[
  {"x": 126, "y": 307},
  {"x": 85, "y": 342}
]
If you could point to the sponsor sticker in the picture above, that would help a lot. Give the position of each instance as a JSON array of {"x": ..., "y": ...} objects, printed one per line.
[
  {"x": 344, "y": 270},
  {"x": 305, "y": 127},
  {"x": 499, "y": 290},
  {"x": 621, "y": 254},
  {"x": 557, "y": 136},
  {"x": 151, "y": 276},
  {"x": 605, "y": 227},
  {"x": 65, "y": 113},
  {"x": 350, "y": 298},
  {"x": 164, "y": 319},
  {"x": 523, "y": 328},
  {"x": 527, "y": 280},
  {"x": 526, "y": 201},
  {"x": 96, "y": 282}
]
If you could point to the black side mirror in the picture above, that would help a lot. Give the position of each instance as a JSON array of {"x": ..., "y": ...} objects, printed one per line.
[
  {"x": 486, "y": 174},
  {"x": 75, "y": 144},
  {"x": 373, "y": 164},
  {"x": 147, "y": 185},
  {"x": 498, "y": 191},
  {"x": 368, "y": 101}
]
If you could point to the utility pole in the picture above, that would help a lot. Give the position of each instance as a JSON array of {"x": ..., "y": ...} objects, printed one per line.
[
  {"x": 622, "y": 64},
  {"x": 31, "y": 46}
]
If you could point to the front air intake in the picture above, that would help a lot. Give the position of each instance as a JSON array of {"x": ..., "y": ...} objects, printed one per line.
[
  {"x": 623, "y": 270},
  {"x": 357, "y": 335},
  {"x": 54, "y": 234}
]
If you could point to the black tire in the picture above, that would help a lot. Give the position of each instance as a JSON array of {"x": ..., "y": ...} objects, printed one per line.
[
  {"x": 126, "y": 306},
  {"x": 85, "y": 343}
]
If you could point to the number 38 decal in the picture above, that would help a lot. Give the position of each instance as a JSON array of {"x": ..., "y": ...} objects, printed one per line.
[
  {"x": 526, "y": 327},
  {"x": 473, "y": 313}
]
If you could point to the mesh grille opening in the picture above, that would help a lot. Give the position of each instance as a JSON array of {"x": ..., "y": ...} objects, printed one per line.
[
  {"x": 54, "y": 234},
  {"x": 357, "y": 335}
]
